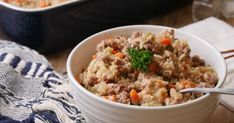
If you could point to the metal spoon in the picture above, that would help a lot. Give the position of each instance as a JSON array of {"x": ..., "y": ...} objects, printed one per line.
[{"x": 229, "y": 91}]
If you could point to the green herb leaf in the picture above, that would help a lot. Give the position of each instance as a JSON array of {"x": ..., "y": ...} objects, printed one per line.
[{"x": 140, "y": 59}]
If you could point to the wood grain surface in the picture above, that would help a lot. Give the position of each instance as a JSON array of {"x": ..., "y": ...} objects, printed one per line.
[{"x": 176, "y": 18}]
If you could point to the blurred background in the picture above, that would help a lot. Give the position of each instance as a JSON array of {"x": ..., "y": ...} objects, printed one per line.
[{"x": 54, "y": 30}]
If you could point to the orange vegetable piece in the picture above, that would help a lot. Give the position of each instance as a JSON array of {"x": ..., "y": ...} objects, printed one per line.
[
  {"x": 114, "y": 51},
  {"x": 42, "y": 3},
  {"x": 120, "y": 55},
  {"x": 134, "y": 96},
  {"x": 165, "y": 41}
]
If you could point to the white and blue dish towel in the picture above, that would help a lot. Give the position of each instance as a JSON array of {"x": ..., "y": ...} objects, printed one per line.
[{"x": 31, "y": 91}]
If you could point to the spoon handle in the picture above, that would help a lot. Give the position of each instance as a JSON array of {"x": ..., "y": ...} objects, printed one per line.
[{"x": 229, "y": 91}]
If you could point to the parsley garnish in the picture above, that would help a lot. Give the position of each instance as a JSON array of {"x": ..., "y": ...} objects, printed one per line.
[{"x": 140, "y": 59}]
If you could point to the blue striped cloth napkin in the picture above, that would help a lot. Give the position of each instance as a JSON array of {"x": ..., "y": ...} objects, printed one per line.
[{"x": 31, "y": 91}]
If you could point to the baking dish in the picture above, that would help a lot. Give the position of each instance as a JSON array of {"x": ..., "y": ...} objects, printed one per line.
[{"x": 55, "y": 27}]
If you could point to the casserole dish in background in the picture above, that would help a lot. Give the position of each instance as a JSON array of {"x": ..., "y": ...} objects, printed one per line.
[
  {"x": 99, "y": 110},
  {"x": 55, "y": 27}
]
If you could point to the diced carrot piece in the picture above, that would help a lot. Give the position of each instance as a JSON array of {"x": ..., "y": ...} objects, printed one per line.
[
  {"x": 94, "y": 57},
  {"x": 42, "y": 3},
  {"x": 153, "y": 67},
  {"x": 134, "y": 96},
  {"x": 120, "y": 55},
  {"x": 114, "y": 51},
  {"x": 165, "y": 41}
]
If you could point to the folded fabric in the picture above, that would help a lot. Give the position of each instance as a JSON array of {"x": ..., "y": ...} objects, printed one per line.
[
  {"x": 221, "y": 35},
  {"x": 31, "y": 91}
]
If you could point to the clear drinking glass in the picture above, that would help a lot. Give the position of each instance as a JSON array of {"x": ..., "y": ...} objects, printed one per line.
[
  {"x": 227, "y": 8},
  {"x": 202, "y": 9}
]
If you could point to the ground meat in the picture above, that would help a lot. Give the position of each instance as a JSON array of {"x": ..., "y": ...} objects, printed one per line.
[
  {"x": 93, "y": 81},
  {"x": 156, "y": 48},
  {"x": 107, "y": 60},
  {"x": 119, "y": 62},
  {"x": 116, "y": 44},
  {"x": 123, "y": 97},
  {"x": 105, "y": 79},
  {"x": 197, "y": 61},
  {"x": 119, "y": 88},
  {"x": 136, "y": 34}
]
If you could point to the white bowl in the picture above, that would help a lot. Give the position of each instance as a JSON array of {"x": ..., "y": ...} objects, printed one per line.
[{"x": 98, "y": 110}]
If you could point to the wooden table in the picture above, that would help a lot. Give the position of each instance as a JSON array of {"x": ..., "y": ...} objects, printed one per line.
[{"x": 176, "y": 18}]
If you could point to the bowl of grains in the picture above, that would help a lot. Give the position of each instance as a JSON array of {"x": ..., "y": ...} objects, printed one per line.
[{"x": 135, "y": 73}]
